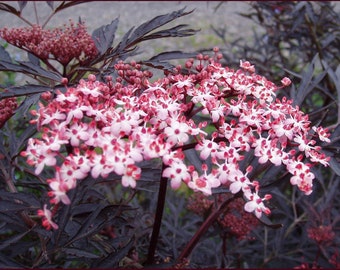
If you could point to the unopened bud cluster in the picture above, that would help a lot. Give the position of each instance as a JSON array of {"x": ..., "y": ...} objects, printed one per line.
[
  {"x": 7, "y": 108},
  {"x": 61, "y": 44},
  {"x": 102, "y": 128},
  {"x": 234, "y": 220}
]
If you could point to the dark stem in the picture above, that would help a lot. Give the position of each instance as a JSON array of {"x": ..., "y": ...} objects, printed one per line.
[
  {"x": 158, "y": 218},
  {"x": 204, "y": 227}
]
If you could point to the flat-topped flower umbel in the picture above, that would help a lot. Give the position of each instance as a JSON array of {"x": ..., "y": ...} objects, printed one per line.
[{"x": 111, "y": 127}]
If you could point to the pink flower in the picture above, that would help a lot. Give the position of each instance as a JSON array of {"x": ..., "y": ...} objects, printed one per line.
[
  {"x": 177, "y": 132},
  {"x": 77, "y": 132},
  {"x": 286, "y": 81},
  {"x": 131, "y": 174},
  {"x": 47, "y": 218},
  {"x": 200, "y": 183},
  {"x": 39, "y": 154},
  {"x": 247, "y": 66},
  {"x": 255, "y": 204},
  {"x": 177, "y": 172},
  {"x": 302, "y": 176},
  {"x": 206, "y": 147},
  {"x": 322, "y": 133},
  {"x": 59, "y": 187}
]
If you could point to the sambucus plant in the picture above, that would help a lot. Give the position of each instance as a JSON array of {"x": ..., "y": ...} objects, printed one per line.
[{"x": 204, "y": 126}]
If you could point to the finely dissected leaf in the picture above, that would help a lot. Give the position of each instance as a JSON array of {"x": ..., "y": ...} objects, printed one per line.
[
  {"x": 16, "y": 144},
  {"x": 39, "y": 71},
  {"x": 7, "y": 262},
  {"x": 172, "y": 55},
  {"x": 10, "y": 207},
  {"x": 31, "y": 69},
  {"x": 172, "y": 32},
  {"x": 17, "y": 91},
  {"x": 67, "y": 4},
  {"x": 13, "y": 219},
  {"x": 335, "y": 165},
  {"x": 80, "y": 253},
  {"x": 12, "y": 240},
  {"x": 50, "y": 4},
  {"x": 33, "y": 59},
  {"x": 103, "y": 36},
  {"x": 307, "y": 83},
  {"x": 335, "y": 76},
  {"x": 23, "y": 198},
  {"x": 91, "y": 221},
  {"x": 84, "y": 208},
  {"x": 4, "y": 55},
  {"x": 267, "y": 222},
  {"x": 22, "y": 5},
  {"x": 159, "y": 65},
  {"x": 157, "y": 22},
  {"x": 3, "y": 150},
  {"x": 9, "y": 8},
  {"x": 132, "y": 37},
  {"x": 25, "y": 106},
  {"x": 113, "y": 259}
]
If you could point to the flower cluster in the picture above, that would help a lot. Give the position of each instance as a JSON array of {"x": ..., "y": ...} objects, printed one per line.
[
  {"x": 7, "y": 108},
  {"x": 51, "y": 43},
  {"x": 234, "y": 219},
  {"x": 321, "y": 234},
  {"x": 99, "y": 128}
]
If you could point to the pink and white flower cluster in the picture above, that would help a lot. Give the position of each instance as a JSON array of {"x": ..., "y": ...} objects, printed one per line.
[{"x": 99, "y": 128}]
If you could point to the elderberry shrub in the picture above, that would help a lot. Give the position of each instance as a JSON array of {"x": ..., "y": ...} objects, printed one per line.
[{"x": 232, "y": 157}]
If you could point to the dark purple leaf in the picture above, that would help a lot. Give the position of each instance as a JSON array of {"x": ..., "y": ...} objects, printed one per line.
[
  {"x": 113, "y": 259},
  {"x": 25, "y": 90},
  {"x": 12, "y": 240},
  {"x": 4, "y": 55},
  {"x": 172, "y": 32},
  {"x": 11, "y": 207},
  {"x": 31, "y": 69},
  {"x": 7, "y": 262},
  {"x": 20, "y": 198},
  {"x": 80, "y": 253},
  {"x": 22, "y": 5},
  {"x": 172, "y": 55},
  {"x": 50, "y": 4},
  {"x": 67, "y": 4},
  {"x": 9, "y": 8},
  {"x": 335, "y": 165},
  {"x": 33, "y": 59},
  {"x": 103, "y": 36},
  {"x": 157, "y": 22},
  {"x": 16, "y": 144}
]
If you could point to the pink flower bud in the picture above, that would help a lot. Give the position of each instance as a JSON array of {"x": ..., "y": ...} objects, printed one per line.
[{"x": 286, "y": 81}]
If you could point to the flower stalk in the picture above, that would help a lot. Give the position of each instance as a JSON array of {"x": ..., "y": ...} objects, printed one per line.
[{"x": 158, "y": 219}]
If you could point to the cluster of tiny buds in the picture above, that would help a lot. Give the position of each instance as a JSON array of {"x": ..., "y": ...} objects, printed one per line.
[
  {"x": 323, "y": 235},
  {"x": 50, "y": 43},
  {"x": 110, "y": 127},
  {"x": 7, "y": 108},
  {"x": 234, "y": 220}
]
